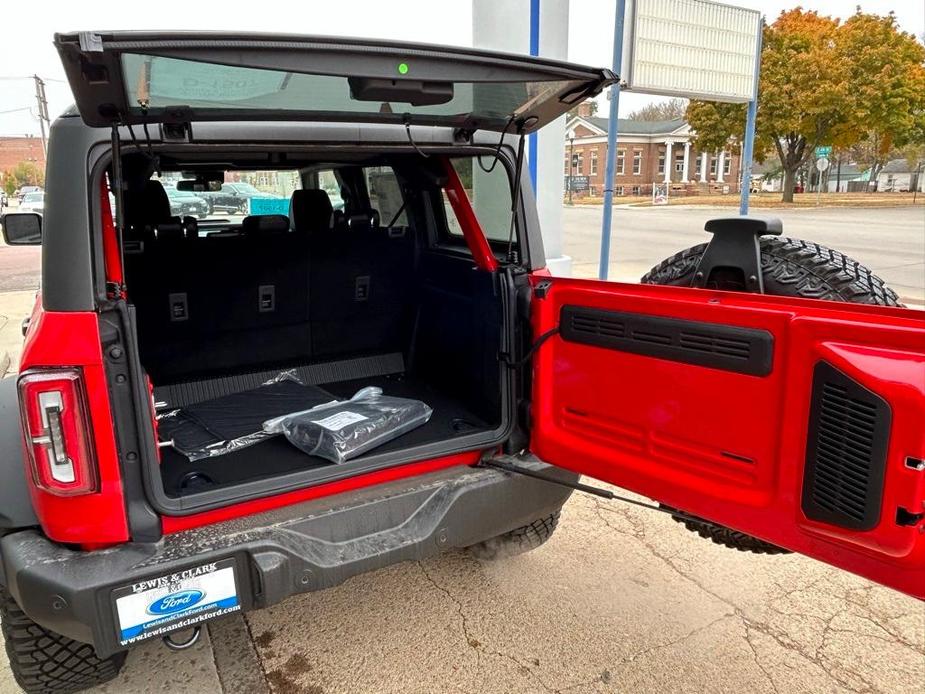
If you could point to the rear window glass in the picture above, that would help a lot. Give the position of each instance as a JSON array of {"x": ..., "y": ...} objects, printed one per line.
[
  {"x": 489, "y": 192},
  {"x": 385, "y": 195},
  {"x": 165, "y": 82}
]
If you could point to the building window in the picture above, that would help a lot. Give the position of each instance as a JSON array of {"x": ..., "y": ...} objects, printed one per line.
[
  {"x": 593, "y": 155},
  {"x": 565, "y": 165},
  {"x": 698, "y": 165},
  {"x": 727, "y": 164},
  {"x": 635, "y": 190},
  {"x": 661, "y": 161},
  {"x": 679, "y": 167},
  {"x": 621, "y": 162},
  {"x": 637, "y": 162},
  {"x": 620, "y": 190},
  {"x": 579, "y": 164},
  {"x": 713, "y": 166}
]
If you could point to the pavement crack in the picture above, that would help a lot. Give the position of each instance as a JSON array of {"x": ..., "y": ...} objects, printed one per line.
[
  {"x": 675, "y": 641},
  {"x": 471, "y": 641}
]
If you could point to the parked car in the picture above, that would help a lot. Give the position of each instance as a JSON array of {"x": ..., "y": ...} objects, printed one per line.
[
  {"x": 235, "y": 197},
  {"x": 26, "y": 190},
  {"x": 33, "y": 202},
  {"x": 183, "y": 204},
  {"x": 765, "y": 391}
]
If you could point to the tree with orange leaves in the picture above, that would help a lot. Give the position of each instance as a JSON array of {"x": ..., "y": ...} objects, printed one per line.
[{"x": 826, "y": 82}]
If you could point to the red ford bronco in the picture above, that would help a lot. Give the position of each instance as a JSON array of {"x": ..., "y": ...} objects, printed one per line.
[{"x": 765, "y": 391}]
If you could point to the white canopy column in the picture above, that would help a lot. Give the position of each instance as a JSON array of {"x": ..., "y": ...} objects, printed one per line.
[
  {"x": 720, "y": 167},
  {"x": 668, "y": 163},
  {"x": 704, "y": 165},
  {"x": 685, "y": 174}
]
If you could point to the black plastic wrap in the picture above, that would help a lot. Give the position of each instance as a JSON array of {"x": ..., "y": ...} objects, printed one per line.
[
  {"x": 343, "y": 430},
  {"x": 214, "y": 427}
]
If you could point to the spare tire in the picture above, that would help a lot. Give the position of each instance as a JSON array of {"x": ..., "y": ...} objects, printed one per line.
[{"x": 789, "y": 267}]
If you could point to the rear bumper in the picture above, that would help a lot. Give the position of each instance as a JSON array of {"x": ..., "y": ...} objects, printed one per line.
[{"x": 307, "y": 547}]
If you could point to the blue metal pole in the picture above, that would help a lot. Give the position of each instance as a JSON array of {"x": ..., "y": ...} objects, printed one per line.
[
  {"x": 748, "y": 146},
  {"x": 534, "y": 50},
  {"x": 612, "y": 141}
]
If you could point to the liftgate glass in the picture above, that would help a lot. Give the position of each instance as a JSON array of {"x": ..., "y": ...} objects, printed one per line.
[{"x": 691, "y": 48}]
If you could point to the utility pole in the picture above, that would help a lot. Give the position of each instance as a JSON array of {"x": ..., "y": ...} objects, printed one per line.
[{"x": 43, "y": 110}]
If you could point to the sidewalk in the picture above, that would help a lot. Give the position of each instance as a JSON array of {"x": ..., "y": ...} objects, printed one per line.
[{"x": 14, "y": 307}]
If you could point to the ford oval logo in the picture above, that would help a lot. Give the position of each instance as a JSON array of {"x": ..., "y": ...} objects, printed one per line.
[{"x": 175, "y": 602}]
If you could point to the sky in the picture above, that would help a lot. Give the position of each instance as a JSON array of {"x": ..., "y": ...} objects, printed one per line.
[{"x": 26, "y": 48}]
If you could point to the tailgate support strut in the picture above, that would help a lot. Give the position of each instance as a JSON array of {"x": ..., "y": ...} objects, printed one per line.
[{"x": 502, "y": 463}]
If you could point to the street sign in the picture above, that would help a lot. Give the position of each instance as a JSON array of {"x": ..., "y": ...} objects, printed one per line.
[
  {"x": 823, "y": 151},
  {"x": 578, "y": 183},
  {"x": 822, "y": 164},
  {"x": 692, "y": 48}
]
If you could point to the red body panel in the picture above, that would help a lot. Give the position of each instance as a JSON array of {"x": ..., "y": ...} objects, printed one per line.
[
  {"x": 73, "y": 339},
  {"x": 173, "y": 524},
  {"x": 472, "y": 230},
  {"x": 112, "y": 254},
  {"x": 665, "y": 429}
]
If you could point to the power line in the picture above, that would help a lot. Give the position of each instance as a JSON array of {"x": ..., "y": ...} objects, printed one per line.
[{"x": 16, "y": 110}]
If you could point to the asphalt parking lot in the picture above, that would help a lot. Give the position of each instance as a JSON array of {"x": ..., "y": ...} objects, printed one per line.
[
  {"x": 890, "y": 241},
  {"x": 620, "y": 600}
]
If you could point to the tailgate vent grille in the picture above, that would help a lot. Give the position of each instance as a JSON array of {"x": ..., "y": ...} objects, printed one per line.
[
  {"x": 731, "y": 348},
  {"x": 849, "y": 428},
  {"x": 597, "y": 325}
]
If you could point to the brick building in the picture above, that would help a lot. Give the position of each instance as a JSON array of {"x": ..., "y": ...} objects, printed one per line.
[
  {"x": 648, "y": 152},
  {"x": 14, "y": 150}
]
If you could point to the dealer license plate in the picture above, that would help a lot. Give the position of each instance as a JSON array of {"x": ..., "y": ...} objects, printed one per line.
[{"x": 153, "y": 607}]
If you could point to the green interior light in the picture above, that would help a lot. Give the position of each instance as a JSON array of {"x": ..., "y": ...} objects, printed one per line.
[{"x": 403, "y": 68}]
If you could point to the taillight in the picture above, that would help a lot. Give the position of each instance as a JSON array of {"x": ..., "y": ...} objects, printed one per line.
[{"x": 56, "y": 424}]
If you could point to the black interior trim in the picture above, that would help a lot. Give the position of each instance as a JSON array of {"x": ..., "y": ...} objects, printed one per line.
[{"x": 730, "y": 348}]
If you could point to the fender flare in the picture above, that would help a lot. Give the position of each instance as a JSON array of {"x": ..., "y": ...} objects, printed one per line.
[{"x": 16, "y": 510}]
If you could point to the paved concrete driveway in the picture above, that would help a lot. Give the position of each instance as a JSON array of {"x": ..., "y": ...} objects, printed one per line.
[
  {"x": 620, "y": 600},
  {"x": 890, "y": 241}
]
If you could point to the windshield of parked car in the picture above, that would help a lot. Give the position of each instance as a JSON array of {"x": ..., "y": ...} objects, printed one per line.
[{"x": 34, "y": 197}]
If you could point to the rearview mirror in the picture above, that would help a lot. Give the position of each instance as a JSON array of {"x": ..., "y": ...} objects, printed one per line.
[
  {"x": 208, "y": 183},
  {"x": 22, "y": 228},
  {"x": 414, "y": 92}
]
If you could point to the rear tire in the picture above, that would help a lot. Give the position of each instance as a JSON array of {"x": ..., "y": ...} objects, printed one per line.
[
  {"x": 789, "y": 267},
  {"x": 518, "y": 541},
  {"x": 44, "y": 662}
]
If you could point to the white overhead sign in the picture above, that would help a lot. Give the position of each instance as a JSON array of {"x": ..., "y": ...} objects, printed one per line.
[{"x": 691, "y": 48}]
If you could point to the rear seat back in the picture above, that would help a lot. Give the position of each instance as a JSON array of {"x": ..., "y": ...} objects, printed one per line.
[
  {"x": 244, "y": 298},
  {"x": 364, "y": 275}
]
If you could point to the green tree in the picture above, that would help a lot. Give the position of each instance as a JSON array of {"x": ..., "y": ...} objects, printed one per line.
[
  {"x": 25, "y": 173},
  {"x": 9, "y": 184},
  {"x": 887, "y": 101},
  {"x": 824, "y": 82}
]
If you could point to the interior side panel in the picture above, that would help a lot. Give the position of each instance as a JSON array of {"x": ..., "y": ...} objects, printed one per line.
[{"x": 626, "y": 402}]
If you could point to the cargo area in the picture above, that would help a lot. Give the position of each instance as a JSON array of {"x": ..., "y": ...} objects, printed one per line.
[{"x": 331, "y": 293}]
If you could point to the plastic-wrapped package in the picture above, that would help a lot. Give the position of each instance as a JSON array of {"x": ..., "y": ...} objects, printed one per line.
[
  {"x": 215, "y": 427},
  {"x": 343, "y": 430}
]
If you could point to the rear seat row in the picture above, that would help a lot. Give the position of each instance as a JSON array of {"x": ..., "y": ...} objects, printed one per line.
[{"x": 275, "y": 291}]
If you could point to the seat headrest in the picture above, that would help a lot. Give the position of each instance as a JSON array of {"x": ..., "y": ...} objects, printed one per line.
[
  {"x": 311, "y": 210},
  {"x": 265, "y": 223},
  {"x": 363, "y": 221},
  {"x": 146, "y": 206}
]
